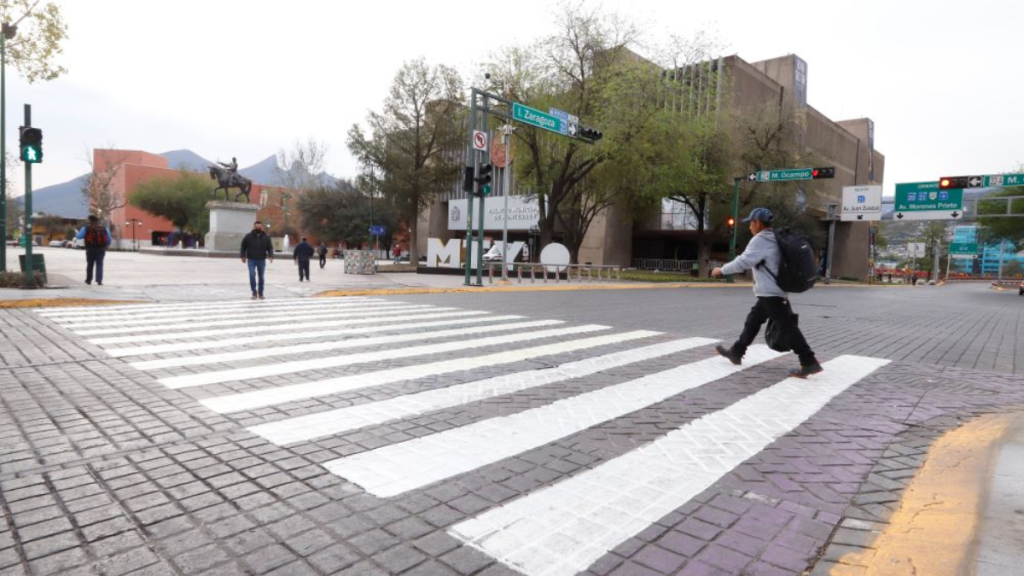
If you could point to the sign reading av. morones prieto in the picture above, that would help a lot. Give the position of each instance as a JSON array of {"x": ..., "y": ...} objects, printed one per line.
[
  {"x": 925, "y": 201},
  {"x": 861, "y": 203}
]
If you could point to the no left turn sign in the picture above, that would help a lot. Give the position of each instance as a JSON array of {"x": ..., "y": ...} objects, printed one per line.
[{"x": 479, "y": 140}]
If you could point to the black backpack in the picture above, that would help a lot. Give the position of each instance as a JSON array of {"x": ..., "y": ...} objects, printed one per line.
[{"x": 797, "y": 271}]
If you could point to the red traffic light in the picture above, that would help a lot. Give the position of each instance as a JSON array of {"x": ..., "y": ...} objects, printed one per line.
[
  {"x": 824, "y": 172},
  {"x": 944, "y": 183},
  {"x": 814, "y": 173},
  {"x": 731, "y": 222}
]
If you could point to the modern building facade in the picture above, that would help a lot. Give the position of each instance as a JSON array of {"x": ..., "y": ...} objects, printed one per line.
[{"x": 614, "y": 238}]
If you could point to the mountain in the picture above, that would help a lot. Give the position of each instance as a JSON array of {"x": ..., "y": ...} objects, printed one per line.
[
  {"x": 64, "y": 199},
  {"x": 268, "y": 173},
  {"x": 186, "y": 159}
]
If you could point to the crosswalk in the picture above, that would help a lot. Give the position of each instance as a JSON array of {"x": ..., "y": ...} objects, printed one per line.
[{"x": 241, "y": 358}]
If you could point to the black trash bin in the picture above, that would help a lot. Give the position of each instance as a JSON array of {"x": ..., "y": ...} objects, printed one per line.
[{"x": 38, "y": 265}]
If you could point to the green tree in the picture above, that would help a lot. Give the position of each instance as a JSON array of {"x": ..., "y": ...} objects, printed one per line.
[
  {"x": 342, "y": 213},
  {"x": 40, "y": 35},
  {"x": 181, "y": 199},
  {"x": 1012, "y": 268},
  {"x": 412, "y": 152},
  {"x": 1003, "y": 227}
]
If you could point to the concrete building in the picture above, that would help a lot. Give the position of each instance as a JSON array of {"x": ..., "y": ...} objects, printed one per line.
[{"x": 614, "y": 239}]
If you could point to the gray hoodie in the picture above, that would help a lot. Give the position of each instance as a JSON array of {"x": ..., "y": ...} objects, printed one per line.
[{"x": 761, "y": 247}]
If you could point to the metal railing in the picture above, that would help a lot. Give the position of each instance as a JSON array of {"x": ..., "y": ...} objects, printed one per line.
[
  {"x": 603, "y": 272},
  {"x": 670, "y": 265}
]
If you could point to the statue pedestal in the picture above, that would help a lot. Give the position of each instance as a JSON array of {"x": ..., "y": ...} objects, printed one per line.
[{"x": 229, "y": 223}]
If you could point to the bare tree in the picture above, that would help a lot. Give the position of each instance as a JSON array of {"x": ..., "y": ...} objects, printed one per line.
[
  {"x": 99, "y": 190},
  {"x": 41, "y": 31},
  {"x": 300, "y": 168}
]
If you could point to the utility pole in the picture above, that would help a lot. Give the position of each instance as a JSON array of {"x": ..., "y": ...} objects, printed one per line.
[
  {"x": 8, "y": 32},
  {"x": 29, "y": 272},
  {"x": 506, "y": 187}
]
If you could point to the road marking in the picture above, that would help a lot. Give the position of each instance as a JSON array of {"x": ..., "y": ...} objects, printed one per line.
[
  {"x": 229, "y": 314},
  {"x": 475, "y": 317},
  {"x": 380, "y": 318},
  {"x": 263, "y": 371},
  {"x": 303, "y": 428},
  {"x": 282, "y": 394},
  {"x": 255, "y": 321},
  {"x": 191, "y": 306},
  {"x": 311, "y": 347},
  {"x": 563, "y": 529},
  {"x": 398, "y": 468}
]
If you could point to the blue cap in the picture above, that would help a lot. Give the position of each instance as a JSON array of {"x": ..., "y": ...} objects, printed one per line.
[{"x": 761, "y": 214}]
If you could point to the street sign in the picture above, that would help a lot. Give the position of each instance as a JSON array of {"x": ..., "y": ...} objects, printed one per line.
[
  {"x": 534, "y": 117},
  {"x": 781, "y": 175},
  {"x": 963, "y": 250},
  {"x": 915, "y": 250},
  {"x": 1003, "y": 180},
  {"x": 479, "y": 140},
  {"x": 861, "y": 203},
  {"x": 925, "y": 201},
  {"x": 377, "y": 230},
  {"x": 572, "y": 123}
]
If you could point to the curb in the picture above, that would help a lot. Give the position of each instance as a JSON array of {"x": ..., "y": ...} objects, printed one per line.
[
  {"x": 563, "y": 288},
  {"x": 62, "y": 303}
]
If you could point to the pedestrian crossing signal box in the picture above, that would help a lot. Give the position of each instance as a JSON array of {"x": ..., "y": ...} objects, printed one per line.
[{"x": 31, "y": 141}]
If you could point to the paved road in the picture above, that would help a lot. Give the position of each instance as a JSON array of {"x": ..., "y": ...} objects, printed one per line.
[{"x": 530, "y": 433}]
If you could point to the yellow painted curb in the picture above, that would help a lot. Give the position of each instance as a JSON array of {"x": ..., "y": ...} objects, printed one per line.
[
  {"x": 62, "y": 302},
  {"x": 934, "y": 530},
  {"x": 542, "y": 288}
]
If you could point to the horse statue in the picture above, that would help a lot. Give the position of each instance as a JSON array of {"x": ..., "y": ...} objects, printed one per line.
[{"x": 228, "y": 179}]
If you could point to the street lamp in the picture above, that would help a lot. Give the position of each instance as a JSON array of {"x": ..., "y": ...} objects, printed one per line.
[{"x": 134, "y": 223}]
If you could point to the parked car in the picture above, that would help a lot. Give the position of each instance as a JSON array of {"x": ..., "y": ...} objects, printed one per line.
[
  {"x": 56, "y": 243},
  {"x": 78, "y": 243}
]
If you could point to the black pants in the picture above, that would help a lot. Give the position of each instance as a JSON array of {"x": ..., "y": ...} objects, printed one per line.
[
  {"x": 779, "y": 311},
  {"x": 323, "y": 260},
  {"x": 94, "y": 258},
  {"x": 303, "y": 269}
]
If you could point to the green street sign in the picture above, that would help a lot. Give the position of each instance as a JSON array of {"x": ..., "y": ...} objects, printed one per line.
[
  {"x": 924, "y": 201},
  {"x": 1003, "y": 180},
  {"x": 963, "y": 249},
  {"x": 535, "y": 117},
  {"x": 781, "y": 175}
]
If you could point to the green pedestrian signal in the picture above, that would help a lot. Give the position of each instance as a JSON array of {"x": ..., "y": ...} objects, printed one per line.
[
  {"x": 31, "y": 141},
  {"x": 483, "y": 180}
]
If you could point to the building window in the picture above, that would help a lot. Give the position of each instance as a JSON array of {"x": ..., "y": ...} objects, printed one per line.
[
  {"x": 263, "y": 198},
  {"x": 677, "y": 215}
]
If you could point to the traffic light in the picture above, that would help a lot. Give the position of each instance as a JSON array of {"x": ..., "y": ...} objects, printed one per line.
[
  {"x": 824, "y": 172},
  {"x": 31, "y": 141},
  {"x": 467, "y": 179},
  {"x": 483, "y": 180},
  {"x": 590, "y": 133},
  {"x": 954, "y": 182},
  {"x": 731, "y": 222}
]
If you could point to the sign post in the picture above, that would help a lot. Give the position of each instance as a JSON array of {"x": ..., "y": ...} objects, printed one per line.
[{"x": 925, "y": 201}]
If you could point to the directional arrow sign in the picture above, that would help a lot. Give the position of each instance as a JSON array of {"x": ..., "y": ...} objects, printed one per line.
[
  {"x": 975, "y": 181},
  {"x": 924, "y": 201},
  {"x": 752, "y": 177},
  {"x": 535, "y": 117}
]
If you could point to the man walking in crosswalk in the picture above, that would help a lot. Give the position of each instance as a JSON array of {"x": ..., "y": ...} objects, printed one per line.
[
  {"x": 763, "y": 255},
  {"x": 256, "y": 249}
]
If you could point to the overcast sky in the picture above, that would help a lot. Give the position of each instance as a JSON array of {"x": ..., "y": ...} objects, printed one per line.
[{"x": 941, "y": 79}]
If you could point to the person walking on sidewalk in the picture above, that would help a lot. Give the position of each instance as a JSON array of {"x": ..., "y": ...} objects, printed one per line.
[
  {"x": 763, "y": 256},
  {"x": 302, "y": 255},
  {"x": 97, "y": 240},
  {"x": 256, "y": 249},
  {"x": 396, "y": 253},
  {"x": 322, "y": 252}
]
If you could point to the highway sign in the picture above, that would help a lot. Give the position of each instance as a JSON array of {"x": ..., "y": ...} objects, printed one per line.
[
  {"x": 1003, "y": 180},
  {"x": 963, "y": 250},
  {"x": 781, "y": 175},
  {"x": 535, "y": 117},
  {"x": 861, "y": 203},
  {"x": 925, "y": 201}
]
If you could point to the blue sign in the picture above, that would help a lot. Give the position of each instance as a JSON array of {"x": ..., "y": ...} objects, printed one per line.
[{"x": 377, "y": 230}]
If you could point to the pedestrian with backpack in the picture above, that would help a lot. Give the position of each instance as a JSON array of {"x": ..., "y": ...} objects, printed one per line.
[
  {"x": 782, "y": 262},
  {"x": 322, "y": 252},
  {"x": 96, "y": 238}
]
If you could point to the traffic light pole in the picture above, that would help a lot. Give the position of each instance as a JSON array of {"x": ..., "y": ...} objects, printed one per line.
[
  {"x": 480, "y": 216},
  {"x": 469, "y": 195},
  {"x": 29, "y": 272},
  {"x": 735, "y": 219},
  {"x": 3, "y": 152}
]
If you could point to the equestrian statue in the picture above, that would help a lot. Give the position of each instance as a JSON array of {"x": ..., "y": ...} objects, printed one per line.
[{"x": 227, "y": 176}]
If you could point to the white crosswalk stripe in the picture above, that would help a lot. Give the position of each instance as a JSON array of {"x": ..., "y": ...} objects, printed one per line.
[
  {"x": 259, "y": 319},
  {"x": 266, "y": 370},
  {"x": 321, "y": 424},
  {"x": 133, "y": 320},
  {"x": 294, "y": 392},
  {"x": 197, "y": 307},
  {"x": 461, "y": 318},
  {"x": 398, "y": 468},
  {"x": 380, "y": 319},
  {"x": 561, "y": 530}
]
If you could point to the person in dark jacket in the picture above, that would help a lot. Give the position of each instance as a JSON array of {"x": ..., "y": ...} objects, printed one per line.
[
  {"x": 256, "y": 249},
  {"x": 322, "y": 253},
  {"x": 97, "y": 240},
  {"x": 303, "y": 253}
]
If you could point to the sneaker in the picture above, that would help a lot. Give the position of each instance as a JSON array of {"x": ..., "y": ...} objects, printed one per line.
[
  {"x": 805, "y": 371},
  {"x": 99, "y": 283},
  {"x": 253, "y": 296},
  {"x": 728, "y": 353},
  {"x": 89, "y": 283},
  {"x": 261, "y": 296}
]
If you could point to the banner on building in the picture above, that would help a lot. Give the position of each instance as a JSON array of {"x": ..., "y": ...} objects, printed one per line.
[{"x": 524, "y": 212}]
